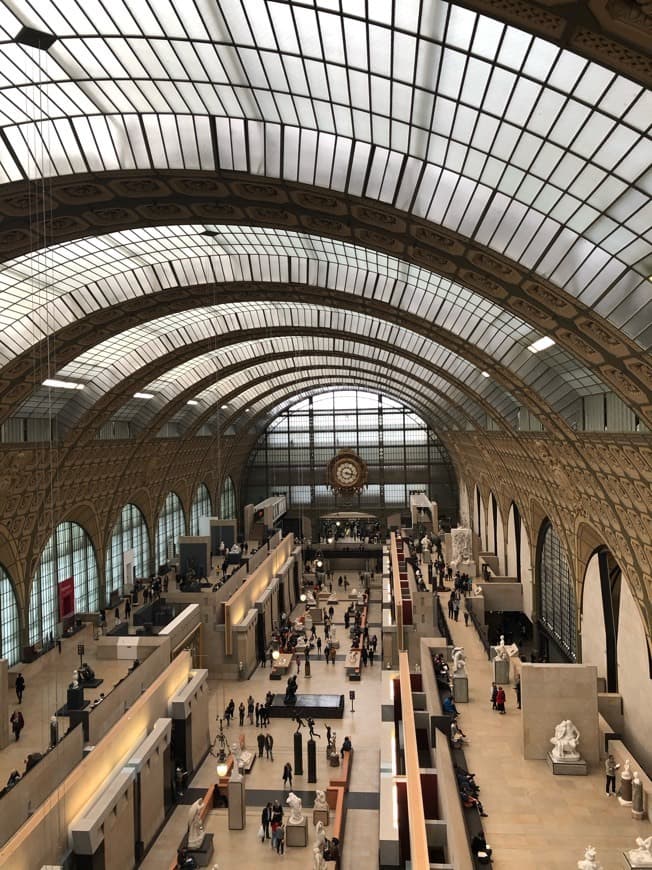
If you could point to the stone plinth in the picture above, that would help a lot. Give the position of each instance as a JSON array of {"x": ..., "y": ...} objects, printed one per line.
[
  {"x": 551, "y": 693},
  {"x": 501, "y": 671},
  {"x": 461, "y": 689},
  {"x": 296, "y": 834},
  {"x": 578, "y": 767},
  {"x": 322, "y": 816},
  {"x": 630, "y": 864}
]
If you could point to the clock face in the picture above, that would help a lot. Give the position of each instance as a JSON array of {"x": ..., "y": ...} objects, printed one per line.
[{"x": 347, "y": 473}]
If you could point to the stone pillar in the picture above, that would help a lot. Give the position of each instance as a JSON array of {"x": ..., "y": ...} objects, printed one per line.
[
  {"x": 312, "y": 761},
  {"x": 298, "y": 754}
]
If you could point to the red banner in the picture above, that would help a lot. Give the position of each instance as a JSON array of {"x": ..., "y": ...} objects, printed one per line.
[{"x": 66, "y": 597}]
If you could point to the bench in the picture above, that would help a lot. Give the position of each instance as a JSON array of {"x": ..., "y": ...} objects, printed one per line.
[
  {"x": 343, "y": 776},
  {"x": 335, "y": 797},
  {"x": 207, "y": 804}
]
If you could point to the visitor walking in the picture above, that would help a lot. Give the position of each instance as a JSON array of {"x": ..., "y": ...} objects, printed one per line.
[
  {"x": 269, "y": 746},
  {"x": 494, "y": 692},
  {"x": 287, "y": 775},
  {"x": 20, "y": 687},
  {"x": 266, "y": 820},
  {"x": 500, "y": 700},
  {"x": 17, "y": 723}
]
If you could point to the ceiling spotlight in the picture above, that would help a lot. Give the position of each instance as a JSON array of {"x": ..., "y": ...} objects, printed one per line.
[
  {"x": 192, "y": 402},
  {"x": 224, "y": 407},
  {"x": 541, "y": 344},
  {"x": 62, "y": 385},
  {"x": 485, "y": 374},
  {"x": 143, "y": 395}
]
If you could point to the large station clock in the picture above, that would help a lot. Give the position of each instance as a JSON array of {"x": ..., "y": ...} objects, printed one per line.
[{"x": 347, "y": 473}]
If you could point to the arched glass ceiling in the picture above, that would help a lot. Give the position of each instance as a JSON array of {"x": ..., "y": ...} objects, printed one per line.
[
  {"x": 97, "y": 273},
  {"x": 283, "y": 391},
  {"x": 206, "y": 379},
  {"x": 110, "y": 362},
  {"x": 410, "y": 379},
  {"x": 254, "y": 394},
  {"x": 120, "y": 266},
  {"x": 520, "y": 145}
]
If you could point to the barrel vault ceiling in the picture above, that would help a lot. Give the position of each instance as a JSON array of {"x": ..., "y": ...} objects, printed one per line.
[{"x": 225, "y": 205}]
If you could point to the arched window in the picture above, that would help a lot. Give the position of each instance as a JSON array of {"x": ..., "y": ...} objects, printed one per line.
[
  {"x": 68, "y": 553},
  {"x": 9, "y": 626},
  {"x": 227, "y": 501},
  {"x": 557, "y": 611},
  {"x": 201, "y": 507},
  {"x": 171, "y": 524},
  {"x": 129, "y": 533}
]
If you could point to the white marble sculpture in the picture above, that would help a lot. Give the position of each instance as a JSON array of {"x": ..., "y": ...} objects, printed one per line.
[
  {"x": 296, "y": 808},
  {"x": 320, "y": 800},
  {"x": 565, "y": 742},
  {"x": 318, "y": 862},
  {"x": 426, "y": 543},
  {"x": 195, "y": 826},
  {"x": 589, "y": 861},
  {"x": 353, "y": 657},
  {"x": 459, "y": 661},
  {"x": 310, "y": 599},
  {"x": 501, "y": 651},
  {"x": 642, "y": 856},
  {"x": 320, "y": 836}
]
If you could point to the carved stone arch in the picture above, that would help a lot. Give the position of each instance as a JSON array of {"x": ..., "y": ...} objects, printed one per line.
[{"x": 13, "y": 564}]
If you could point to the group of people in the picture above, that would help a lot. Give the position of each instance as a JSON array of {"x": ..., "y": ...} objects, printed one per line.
[
  {"x": 469, "y": 790},
  {"x": 251, "y": 711},
  {"x": 456, "y": 601},
  {"x": 498, "y": 698},
  {"x": 272, "y": 827}
]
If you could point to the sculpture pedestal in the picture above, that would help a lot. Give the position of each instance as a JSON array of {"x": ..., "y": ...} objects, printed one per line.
[
  {"x": 297, "y": 834},
  {"x": 628, "y": 864},
  {"x": 461, "y": 689},
  {"x": 625, "y": 796},
  {"x": 577, "y": 767},
  {"x": 501, "y": 671},
  {"x": 322, "y": 816},
  {"x": 237, "y": 806}
]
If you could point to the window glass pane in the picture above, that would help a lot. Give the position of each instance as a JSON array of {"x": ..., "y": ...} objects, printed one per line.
[
  {"x": 557, "y": 610},
  {"x": 68, "y": 553},
  {"x": 9, "y": 628}
]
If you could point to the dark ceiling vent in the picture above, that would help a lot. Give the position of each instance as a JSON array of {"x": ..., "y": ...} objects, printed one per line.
[{"x": 35, "y": 38}]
